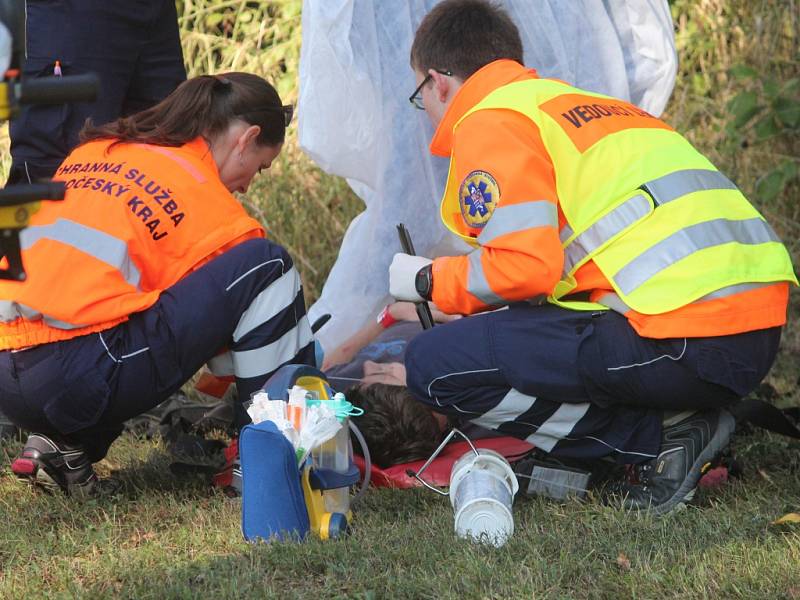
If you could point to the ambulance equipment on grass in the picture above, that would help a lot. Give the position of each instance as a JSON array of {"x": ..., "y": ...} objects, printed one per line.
[
  {"x": 482, "y": 489},
  {"x": 296, "y": 482}
]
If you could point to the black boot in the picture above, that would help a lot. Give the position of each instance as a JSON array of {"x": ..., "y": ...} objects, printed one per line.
[{"x": 688, "y": 449}]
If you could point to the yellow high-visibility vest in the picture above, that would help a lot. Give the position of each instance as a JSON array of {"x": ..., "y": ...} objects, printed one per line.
[{"x": 663, "y": 225}]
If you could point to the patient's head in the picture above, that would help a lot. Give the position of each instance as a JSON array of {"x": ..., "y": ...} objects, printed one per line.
[
  {"x": 391, "y": 373},
  {"x": 397, "y": 428}
]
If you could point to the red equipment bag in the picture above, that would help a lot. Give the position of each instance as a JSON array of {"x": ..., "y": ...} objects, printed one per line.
[{"x": 438, "y": 472}]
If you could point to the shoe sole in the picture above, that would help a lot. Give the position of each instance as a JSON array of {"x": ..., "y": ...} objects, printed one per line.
[
  {"x": 34, "y": 473},
  {"x": 726, "y": 425}
]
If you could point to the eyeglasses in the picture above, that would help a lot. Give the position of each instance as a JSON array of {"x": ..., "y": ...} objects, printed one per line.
[
  {"x": 287, "y": 110},
  {"x": 416, "y": 97}
]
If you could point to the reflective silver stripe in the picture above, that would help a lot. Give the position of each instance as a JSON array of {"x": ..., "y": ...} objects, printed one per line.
[
  {"x": 603, "y": 230},
  {"x": 734, "y": 289},
  {"x": 518, "y": 217},
  {"x": 510, "y": 407},
  {"x": 687, "y": 241},
  {"x": 669, "y": 187},
  {"x": 8, "y": 312},
  {"x": 476, "y": 281},
  {"x": 272, "y": 300},
  {"x": 558, "y": 426},
  {"x": 11, "y": 311},
  {"x": 61, "y": 324},
  {"x": 614, "y": 302},
  {"x": 95, "y": 243},
  {"x": 260, "y": 361},
  {"x": 664, "y": 189},
  {"x": 566, "y": 233}
]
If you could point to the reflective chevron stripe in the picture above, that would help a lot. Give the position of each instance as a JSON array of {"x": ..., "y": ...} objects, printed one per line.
[
  {"x": 687, "y": 241},
  {"x": 619, "y": 219},
  {"x": 670, "y": 187},
  {"x": 97, "y": 244}
]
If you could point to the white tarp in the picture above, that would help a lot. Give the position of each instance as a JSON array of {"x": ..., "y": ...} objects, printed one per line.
[
  {"x": 355, "y": 119},
  {"x": 5, "y": 49}
]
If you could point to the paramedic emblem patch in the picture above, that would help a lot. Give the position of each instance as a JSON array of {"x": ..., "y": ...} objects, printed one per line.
[{"x": 478, "y": 197}]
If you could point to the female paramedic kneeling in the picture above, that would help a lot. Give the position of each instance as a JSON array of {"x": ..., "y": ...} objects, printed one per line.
[{"x": 149, "y": 268}]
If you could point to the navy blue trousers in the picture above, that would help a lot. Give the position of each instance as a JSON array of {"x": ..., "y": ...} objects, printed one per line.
[
  {"x": 248, "y": 300},
  {"x": 579, "y": 384},
  {"x": 132, "y": 45}
]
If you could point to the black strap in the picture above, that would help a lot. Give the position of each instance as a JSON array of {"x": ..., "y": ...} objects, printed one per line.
[{"x": 765, "y": 415}]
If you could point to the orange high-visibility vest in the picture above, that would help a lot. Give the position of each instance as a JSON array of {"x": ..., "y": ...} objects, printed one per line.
[{"x": 135, "y": 219}]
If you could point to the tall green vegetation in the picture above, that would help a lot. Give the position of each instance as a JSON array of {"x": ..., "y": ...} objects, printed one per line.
[
  {"x": 737, "y": 97},
  {"x": 236, "y": 35}
]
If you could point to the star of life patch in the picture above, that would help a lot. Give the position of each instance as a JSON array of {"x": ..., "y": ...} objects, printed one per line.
[{"x": 478, "y": 196}]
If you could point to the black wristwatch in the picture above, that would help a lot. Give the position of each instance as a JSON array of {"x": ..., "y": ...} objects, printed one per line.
[{"x": 424, "y": 281}]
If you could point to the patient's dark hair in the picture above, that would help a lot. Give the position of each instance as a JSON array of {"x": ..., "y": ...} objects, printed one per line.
[
  {"x": 397, "y": 428},
  {"x": 464, "y": 36}
]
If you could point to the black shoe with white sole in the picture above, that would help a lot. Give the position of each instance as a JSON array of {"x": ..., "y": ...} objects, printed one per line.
[
  {"x": 688, "y": 449},
  {"x": 58, "y": 465}
]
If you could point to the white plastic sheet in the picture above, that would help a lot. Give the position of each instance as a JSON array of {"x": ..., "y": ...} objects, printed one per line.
[
  {"x": 5, "y": 48},
  {"x": 355, "y": 119}
]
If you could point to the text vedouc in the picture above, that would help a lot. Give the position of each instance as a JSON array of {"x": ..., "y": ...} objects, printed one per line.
[{"x": 586, "y": 119}]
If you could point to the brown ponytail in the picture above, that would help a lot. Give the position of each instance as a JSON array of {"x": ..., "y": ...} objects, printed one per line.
[{"x": 203, "y": 105}]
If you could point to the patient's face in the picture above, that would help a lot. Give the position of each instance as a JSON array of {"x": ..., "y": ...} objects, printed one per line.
[
  {"x": 393, "y": 374},
  {"x": 389, "y": 373}
]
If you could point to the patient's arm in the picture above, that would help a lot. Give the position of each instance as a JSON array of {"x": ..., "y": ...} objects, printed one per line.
[{"x": 400, "y": 311}]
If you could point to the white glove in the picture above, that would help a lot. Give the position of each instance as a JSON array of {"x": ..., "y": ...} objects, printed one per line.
[{"x": 402, "y": 273}]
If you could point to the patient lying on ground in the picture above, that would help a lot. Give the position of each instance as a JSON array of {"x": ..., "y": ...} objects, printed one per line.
[{"x": 369, "y": 369}]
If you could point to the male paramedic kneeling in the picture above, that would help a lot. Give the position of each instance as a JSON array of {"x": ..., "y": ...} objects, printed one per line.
[
  {"x": 666, "y": 290},
  {"x": 148, "y": 269}
]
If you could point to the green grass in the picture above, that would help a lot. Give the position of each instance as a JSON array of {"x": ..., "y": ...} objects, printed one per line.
[
  {"x": 168, "y": 538},
  {"x": 178, "y": 538}
]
